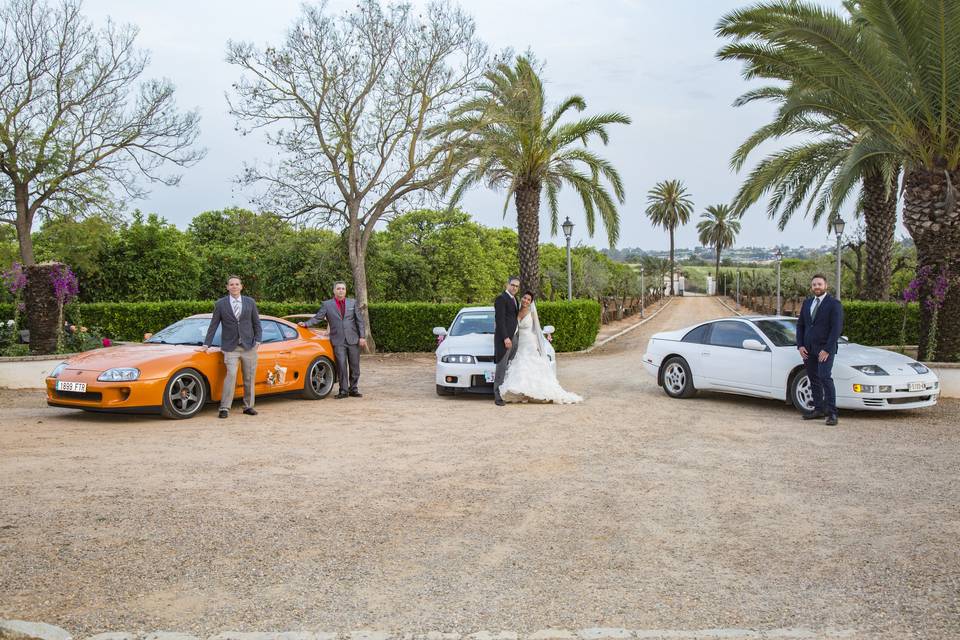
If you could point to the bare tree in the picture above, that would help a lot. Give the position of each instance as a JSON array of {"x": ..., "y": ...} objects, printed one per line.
[
  {"x": 76, "y": 121},
  {"x": 347, "y": 100}
]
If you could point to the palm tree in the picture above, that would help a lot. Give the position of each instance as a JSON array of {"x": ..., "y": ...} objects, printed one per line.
[
  {"x": 718, "y": 228},
  {"x": 807, "y": 172},
  {"x": 669, "y": 206},
  {"x": 509, "y": 139},
  {"x": 887, "y": 69}
]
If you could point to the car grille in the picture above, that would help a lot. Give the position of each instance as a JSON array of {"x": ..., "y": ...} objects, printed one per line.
[
  {"x": 485, "y": 359},
  {"x": 88, "y": 396},
  {"x": 908, "y": 400},
  {"x": 479, "y": 381},
  {"x": 874, "y": 402}
]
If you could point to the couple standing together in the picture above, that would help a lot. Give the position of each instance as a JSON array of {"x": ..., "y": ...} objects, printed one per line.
[{"x": 523, "y": 373}]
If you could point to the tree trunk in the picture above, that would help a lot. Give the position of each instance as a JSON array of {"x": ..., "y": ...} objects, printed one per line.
[
  {"x": 357, "y": 251},
  {"x": 43, "y": 309},
  {"x": 672, "y": 292},
  {"x": 24, "y": 223},
  {"x": 880, "y": 218},
  {"x": 716, "y": 274},
  {"x": 936, "y": 233},
  {"x": 527, "y": 198}
]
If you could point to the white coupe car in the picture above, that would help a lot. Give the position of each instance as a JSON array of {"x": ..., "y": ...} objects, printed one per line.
[
  {"x": 465, "y": 353},
  {"x": 757, "y": 356}
]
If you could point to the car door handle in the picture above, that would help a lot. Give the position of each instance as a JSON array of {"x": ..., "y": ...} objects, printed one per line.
[
  {"x": 705, "y": 354},
  {"x": 285, "y": 353}
]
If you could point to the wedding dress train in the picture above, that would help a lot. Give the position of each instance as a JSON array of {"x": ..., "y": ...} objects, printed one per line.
[{"x": 529, "y": 377}]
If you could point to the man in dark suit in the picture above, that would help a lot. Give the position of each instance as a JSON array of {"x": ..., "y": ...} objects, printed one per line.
[
  {"x": 239, "y": 339},
  {"x": 346, "y": 335},
  {"x": 818, "y": 330},
  {"x": 505, "y": 309}
]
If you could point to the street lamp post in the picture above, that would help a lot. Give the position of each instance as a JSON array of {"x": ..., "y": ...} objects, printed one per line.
[
  {"x": 838, "y": 225},
  {"x": 568, "y": 231},
  {"x": 643, "y": 292},
  {"x": 779, "y": 256},
  {"x": 738, "y": 289}
]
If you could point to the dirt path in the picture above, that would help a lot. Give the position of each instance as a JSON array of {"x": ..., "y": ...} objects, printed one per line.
[{"x": 404, "y": 511}]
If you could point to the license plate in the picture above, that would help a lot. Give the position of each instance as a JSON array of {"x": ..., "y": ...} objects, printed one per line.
[
  {"x": 489, "y": 377},
  {"x": 79, "y": 387},
  {"x": 917, "y": 386}
]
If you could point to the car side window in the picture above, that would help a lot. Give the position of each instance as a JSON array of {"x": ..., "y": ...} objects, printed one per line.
[
  {"x": 289, "y": 333},
  {"x": 271, "y": 331},
  {"x": 698, "y": 334},
  {"x": 732, "y": 334}
]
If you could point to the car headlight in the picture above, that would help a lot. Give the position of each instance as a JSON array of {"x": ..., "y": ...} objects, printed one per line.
[
  {"x": 458, "y": 359},
  {"x": 864, "y": 388},
  {"x": 919, "y": 368},
  {"x": 871, "y": 370},
  {"x": 119, "y": 374},
  {"x": 58, "y": 369}
]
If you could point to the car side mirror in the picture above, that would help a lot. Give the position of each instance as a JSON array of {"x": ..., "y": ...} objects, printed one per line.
[
  {"x": 754, "y": 345},
  {"x": 845, "y": 338},
  {"x": 439, "y": 331},
  {"x": 147, "y": 336},
  {"x": 547, "y": 330}
]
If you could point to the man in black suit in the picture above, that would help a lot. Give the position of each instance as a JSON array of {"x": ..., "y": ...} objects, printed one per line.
[
  {"x": 505, "y": 309},
  {"x": 818, "y": 330},
  {"x": 239, "y": 339}
]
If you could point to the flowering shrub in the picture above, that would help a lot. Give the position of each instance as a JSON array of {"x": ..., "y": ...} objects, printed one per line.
[
  {"x": 15, "y": 279},
  {"x": 938, "y": 283}
]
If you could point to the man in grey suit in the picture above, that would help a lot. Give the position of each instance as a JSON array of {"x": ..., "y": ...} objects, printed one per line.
[
  {"x": 239, "y": 340},
  {"x": 346, "y": 335}
]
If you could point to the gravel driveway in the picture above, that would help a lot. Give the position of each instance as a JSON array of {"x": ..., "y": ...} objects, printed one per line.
[{"x": 404, "y": 511}]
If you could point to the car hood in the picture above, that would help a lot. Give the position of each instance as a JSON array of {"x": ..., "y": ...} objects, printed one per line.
[
  {"x": 474, "y": 344},
  {"x": 858, "y": 354},
  {"x": 128, "y": 355}
]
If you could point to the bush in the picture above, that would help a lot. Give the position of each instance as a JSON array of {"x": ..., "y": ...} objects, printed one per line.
[
  {"x": 879, "y": 323},
  {"x": 398, "y": 326}
]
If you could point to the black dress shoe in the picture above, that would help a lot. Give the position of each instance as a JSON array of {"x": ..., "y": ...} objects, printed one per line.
[
  {"x": 356, "y": 394},
  {"x": 831, "y": 420},
  {"x": 341, "y": 395},
  {"x": 499, "y": 402},
  {"x": 813, "y": 415},
  {"x": 250, "y": 411},
  {"x": 223, "y": 413}
]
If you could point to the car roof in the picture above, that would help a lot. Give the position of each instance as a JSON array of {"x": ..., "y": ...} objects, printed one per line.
[
  {"x": 490, "y": 308},
  {"x": 207, "y": 316}
]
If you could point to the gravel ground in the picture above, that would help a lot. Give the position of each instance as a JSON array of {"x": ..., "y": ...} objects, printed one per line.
[{"x": 404, "y": 511}]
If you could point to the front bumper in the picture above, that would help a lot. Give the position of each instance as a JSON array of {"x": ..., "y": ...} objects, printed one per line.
[
  {"x": 898, "y": 398},
  {"x": 470, "y": 378},
  {"x": 108, "y": 396}
]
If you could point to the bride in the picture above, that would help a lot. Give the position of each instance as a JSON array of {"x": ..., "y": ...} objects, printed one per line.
[{"x": 529, "y": 377}]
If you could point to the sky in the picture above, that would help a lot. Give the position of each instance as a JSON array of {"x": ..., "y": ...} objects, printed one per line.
[{"x": 653, "y": 60}]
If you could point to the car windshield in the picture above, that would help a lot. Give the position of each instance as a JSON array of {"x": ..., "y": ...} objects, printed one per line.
[
  {"x": 473, "y": 322},
  {"x": 782, "y": 332},
  {"x": 190, "y": 331}
]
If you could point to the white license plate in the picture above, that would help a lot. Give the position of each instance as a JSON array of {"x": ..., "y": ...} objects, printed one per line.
[
  {"x": 489, "y": 376},
  {"x": 79, "y": 387},
  {"x": 917, "y": 386}
]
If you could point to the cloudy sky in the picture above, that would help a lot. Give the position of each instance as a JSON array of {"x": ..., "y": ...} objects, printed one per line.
[{"x": 651, "y": 59}]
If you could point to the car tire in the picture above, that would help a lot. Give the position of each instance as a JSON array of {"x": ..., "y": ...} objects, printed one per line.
[
  {"x": 800, "y": 395},
  {"x": 677, "y": 378},
  {"x": 444, "y": 391},
  {"x": 321, "y": 374},
  {"x": 185, "y": 395}
]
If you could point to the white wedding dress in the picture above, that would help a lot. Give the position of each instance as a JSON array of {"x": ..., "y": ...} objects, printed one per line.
[{"x": 529, "y": 377}]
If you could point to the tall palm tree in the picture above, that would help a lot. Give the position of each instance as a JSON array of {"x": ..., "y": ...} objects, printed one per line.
[
  {"x": 887, "y": 69},
  {"x": 718, "y": 228},
  {"x": 509, "y": 139},
  {"x": 807, "y": 172},
  {"x": 669, "y": 206}
]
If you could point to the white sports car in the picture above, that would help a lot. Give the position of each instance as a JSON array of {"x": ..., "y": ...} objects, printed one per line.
[
  {"x": 465, "y": 353},
  {"x": 757, "y": 356}
]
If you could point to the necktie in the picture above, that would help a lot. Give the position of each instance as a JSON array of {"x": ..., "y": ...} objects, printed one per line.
[
  {"x": 813, "y": 309},
  {"x": 237, "y": 307}
]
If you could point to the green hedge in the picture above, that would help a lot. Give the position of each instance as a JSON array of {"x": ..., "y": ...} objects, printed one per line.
[
  {"x": 879, "y": 323},
  {"x": 398, "y": 326}
]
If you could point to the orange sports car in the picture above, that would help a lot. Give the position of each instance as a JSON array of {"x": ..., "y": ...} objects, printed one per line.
[{"x": 170, "y": 373}]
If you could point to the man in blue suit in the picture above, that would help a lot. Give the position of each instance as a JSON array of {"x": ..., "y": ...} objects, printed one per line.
[{"x": 818, "y": 331}]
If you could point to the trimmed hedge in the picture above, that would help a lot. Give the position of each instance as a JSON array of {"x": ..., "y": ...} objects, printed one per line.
[
  {"x": 398, "y": 326},
  {"x": 879, "y": 323}
]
